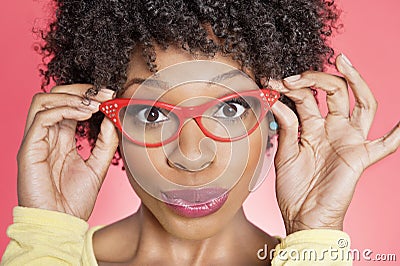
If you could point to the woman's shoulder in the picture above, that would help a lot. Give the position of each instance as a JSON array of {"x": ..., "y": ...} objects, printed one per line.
[{"x": 117, "y": 242}]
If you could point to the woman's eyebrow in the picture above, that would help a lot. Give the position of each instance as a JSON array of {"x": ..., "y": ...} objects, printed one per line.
[
  {"x": 228, "y": 75},
  {"x": 165, "y": 85},
  {"x": 150, "y": 81}
]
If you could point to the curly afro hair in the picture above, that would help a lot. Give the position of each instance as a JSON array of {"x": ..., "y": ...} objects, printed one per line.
[{"x": 92, "y": 41}]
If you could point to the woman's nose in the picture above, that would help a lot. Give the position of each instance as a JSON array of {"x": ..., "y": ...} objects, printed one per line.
[{"x": 194, "y": 151}]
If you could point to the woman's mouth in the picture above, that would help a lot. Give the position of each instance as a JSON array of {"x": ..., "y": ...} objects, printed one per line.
[{"x": 194, "y": 203}]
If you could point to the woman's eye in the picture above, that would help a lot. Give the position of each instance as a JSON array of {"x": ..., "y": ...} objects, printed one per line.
[
  {"x": 151, "y": 115},
  {"x": 231, "y": 110}
]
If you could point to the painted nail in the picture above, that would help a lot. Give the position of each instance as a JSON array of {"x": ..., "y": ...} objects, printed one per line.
[
  {"x": 85, "y": 110},
  {"x": 292, "y": 79},
  {"x": 107, "y": 92},
  {"x": 277, "y": 85},
  {"x": 86, "y": 101},
  {"x": 346, "y": 60},
  {"x": 94, "y": 104}
]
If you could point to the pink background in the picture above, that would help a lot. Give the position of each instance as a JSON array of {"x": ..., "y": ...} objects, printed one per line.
[{"x": 370, "y": 39}]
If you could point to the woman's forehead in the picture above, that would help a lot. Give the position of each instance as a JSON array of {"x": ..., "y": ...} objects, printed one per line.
[
  {"x": 138, "y": 70},
  {"x": 193, "y": 78}
]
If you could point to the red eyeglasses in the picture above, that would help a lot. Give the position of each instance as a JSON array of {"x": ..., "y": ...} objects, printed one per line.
[{"x": 152, "y": 123}]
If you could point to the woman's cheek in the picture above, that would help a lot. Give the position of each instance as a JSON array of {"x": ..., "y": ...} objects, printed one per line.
[{"x": 247, "y": 153}]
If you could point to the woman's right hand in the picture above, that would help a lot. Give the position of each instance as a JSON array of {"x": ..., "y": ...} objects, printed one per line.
[{"x": 51, "y": 173}]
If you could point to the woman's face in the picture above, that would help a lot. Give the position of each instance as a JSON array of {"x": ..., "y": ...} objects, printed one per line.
[{"x": 192, "y": 159}]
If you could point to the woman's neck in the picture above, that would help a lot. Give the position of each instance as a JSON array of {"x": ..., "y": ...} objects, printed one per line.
[
  {"x": 236, "y": 240},
  {"x": 141, "y": 239}
]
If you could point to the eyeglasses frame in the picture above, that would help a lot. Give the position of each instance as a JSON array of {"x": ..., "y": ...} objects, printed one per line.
[{"x": 111, "y": 109}]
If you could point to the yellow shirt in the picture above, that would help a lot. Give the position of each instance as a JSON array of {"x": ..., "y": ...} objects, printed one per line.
[{"x": 41, "y": 237}]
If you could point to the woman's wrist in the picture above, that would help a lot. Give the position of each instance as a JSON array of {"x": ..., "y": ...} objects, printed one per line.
[{"x": 293, "y": 226}]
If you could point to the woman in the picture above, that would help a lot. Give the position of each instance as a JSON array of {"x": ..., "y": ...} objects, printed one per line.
[{"x": 311, "y": 197}]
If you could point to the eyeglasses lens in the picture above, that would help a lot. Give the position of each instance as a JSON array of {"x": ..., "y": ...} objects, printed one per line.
[{"x": 228, "y": 120}]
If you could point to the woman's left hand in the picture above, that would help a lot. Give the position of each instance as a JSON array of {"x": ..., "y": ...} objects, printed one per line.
[{"x": 317, "y": 174}]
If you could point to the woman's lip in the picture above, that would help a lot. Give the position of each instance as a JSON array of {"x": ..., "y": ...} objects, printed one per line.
[{"x": 194, "y": 203}]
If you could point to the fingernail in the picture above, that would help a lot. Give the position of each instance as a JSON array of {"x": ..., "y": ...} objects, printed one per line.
[
  {"x": 85, "y": 110},
  {"x": 107, "y": 92},
  {"x": 90, "y": 103},
  {"x": 292, "y": 79},
  {"x": 86, "y": 101},
  {"x": 94, "y": 104},
  {"x": 277, "y": 85},
  {"x": 346, "y": 60}
]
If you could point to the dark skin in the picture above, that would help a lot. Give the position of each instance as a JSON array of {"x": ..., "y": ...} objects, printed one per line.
[
  {"x": 253, "y": 238},
  {"x": 315, "y": 196},
  {"x": 234, "y": 239},
  {"x": 117, "y": 244}
]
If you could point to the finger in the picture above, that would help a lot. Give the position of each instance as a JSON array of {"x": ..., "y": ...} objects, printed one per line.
[
  {"x": 102, "y": 95},
  {"x": 45, "y": 101},
  {"x": 47, "y": 118},
  {"x": 104, "y": 150},
  {"x": 382, "y": 147},
  {"x": 337, "y": 96},
  {"x": 365, "y": 103},
  {"x": 288, "y": 146},
  {"x": 306, "y": 107}
]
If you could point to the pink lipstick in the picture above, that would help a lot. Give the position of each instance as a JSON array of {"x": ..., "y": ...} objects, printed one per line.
[{"x": 194, "y": 203}]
